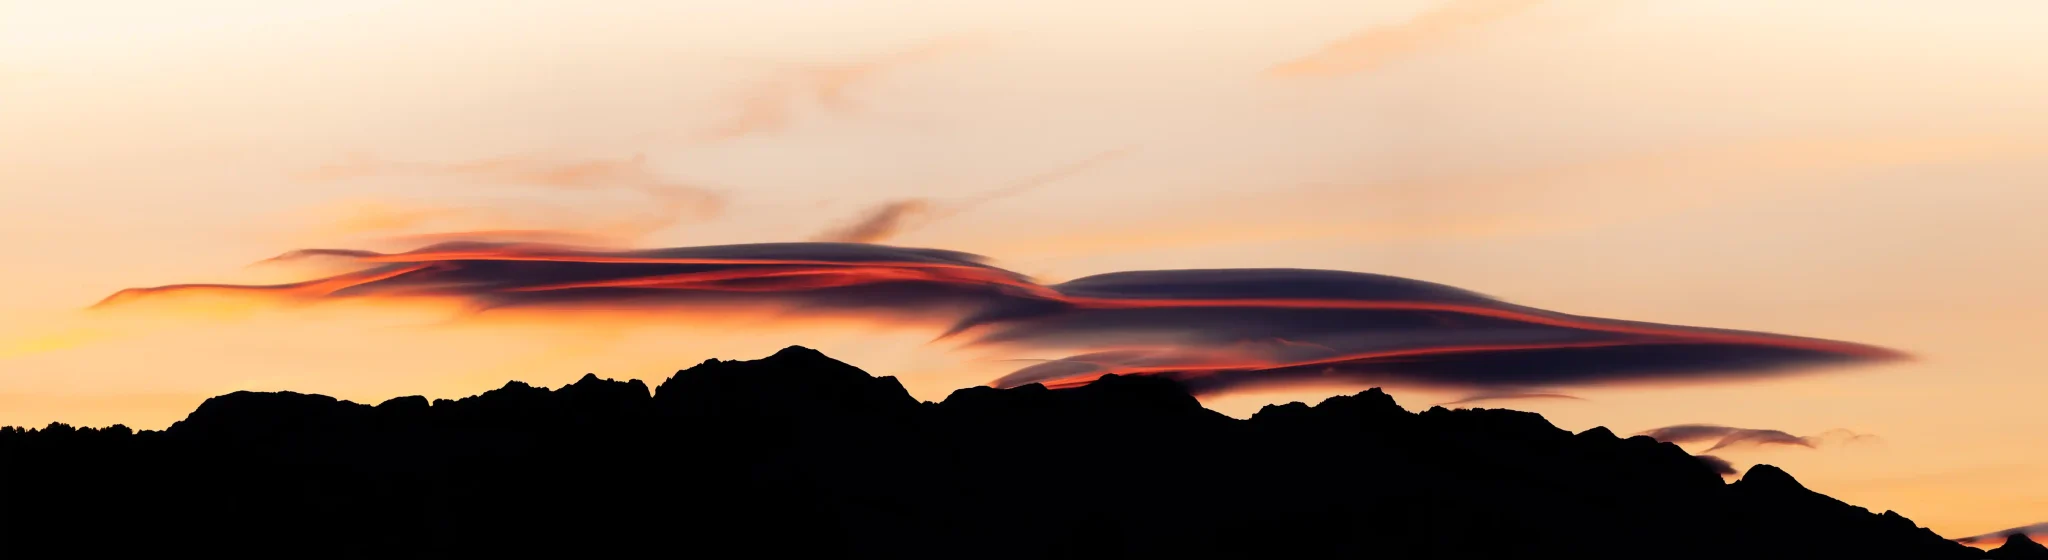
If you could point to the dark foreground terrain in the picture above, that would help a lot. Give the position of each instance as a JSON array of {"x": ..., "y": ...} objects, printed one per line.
[{"x": 799, "y": 454}]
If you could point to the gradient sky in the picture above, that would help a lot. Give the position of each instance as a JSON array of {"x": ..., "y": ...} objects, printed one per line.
[{"x": 1859, "y": 170}]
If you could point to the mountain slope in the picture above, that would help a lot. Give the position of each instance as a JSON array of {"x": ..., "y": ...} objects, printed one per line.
[{"x": 801, "y": 454}]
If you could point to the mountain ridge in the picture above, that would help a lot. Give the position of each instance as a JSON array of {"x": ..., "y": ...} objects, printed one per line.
[{"x": 801, "y": 453}]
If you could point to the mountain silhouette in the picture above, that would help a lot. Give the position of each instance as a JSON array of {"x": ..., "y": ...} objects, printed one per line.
[
  {"x": 800, "y": 454},
  {"x": 2018, "y": 546}
]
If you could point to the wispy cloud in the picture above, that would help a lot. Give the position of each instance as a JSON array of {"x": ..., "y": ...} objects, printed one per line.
[
  {"x": 1509, "y": 396},
  {"x": 1725, "y": 437},
  {"x": 666, "y": 202},
  {"x": 50, "y": 341},
  {"x": 1579, "y": 195},
  {"x": 1721, "y": 466},
  {"x": 1212, "y": 330},
  {"x": 771, "y": 104},
  {"x": 880, "y": 223},
  {"x": 898, "y": 216},
  {"x": 1448, "y": 23}
]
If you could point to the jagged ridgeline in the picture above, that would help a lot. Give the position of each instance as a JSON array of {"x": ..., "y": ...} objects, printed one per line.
[{"x": 799, "y": 454}]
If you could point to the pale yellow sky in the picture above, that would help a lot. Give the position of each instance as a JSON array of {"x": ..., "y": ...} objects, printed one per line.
[{"x": 1859, "y": 170}]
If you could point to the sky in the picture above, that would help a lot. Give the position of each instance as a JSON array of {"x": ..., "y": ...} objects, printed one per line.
[{"x": 1864, "y": 171}]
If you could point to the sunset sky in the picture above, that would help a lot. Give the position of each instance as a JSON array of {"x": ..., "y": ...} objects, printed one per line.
[{"x": 1867, "y": 171}]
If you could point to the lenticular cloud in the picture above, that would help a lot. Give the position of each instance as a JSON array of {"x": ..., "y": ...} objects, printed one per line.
[{"x": 1212, "y": 330}]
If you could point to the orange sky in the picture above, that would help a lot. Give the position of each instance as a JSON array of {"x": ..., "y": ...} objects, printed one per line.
[{"x": 1851, "y": 170}]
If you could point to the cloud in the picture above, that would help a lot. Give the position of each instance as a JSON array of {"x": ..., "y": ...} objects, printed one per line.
[
  {"x": 1840, "y": 436},
  {"x": 666, "y": 202},
  {"x": 1726, "y": 437},
  {"x": 1212, "y": 330},
  {"x": 50, "y": 341},
  {"x": 770, "y": 105},
  {"x": 1361, "y": 328},
  {"x": 1366, "y": 50},
  {"x": 2038, "y": 532},
  {"x": 891, "y": 218},
  {"x": 1721, "y": 466},
  {"x": 886, "y": 281},
  {"x": 880, "y": 223},
  {"x": 1546, "y": 199},
  {"x": 1509, "y": 395}
]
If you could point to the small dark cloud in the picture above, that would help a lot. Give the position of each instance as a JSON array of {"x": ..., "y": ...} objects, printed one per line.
[
  {"x": 1509, "y": 396},
  {"x": 1721, "y": 466},
  {"x": 884, "y": 221},
  {"x": 1725, "y": 437},
  {"x": 1211, "y": 330},
  {"x": 880, "y": 223}
]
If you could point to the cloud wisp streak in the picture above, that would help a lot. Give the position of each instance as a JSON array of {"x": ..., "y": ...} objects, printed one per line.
[
  {"x": 1373, "y": 47},
  {"x": 1212, "y": 330},
  {"x": 1509, "y": 396},
  {"x": 898, "y": 216},
  {"x": 668, "y": 202},
  {"x": 770, "y": 105},
  {"x": 1725, "y": 437}
]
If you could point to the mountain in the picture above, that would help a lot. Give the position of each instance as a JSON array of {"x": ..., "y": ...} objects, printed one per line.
[
  {"x": 800, "y": 454},
  {"x": 2018, "y": 546}
]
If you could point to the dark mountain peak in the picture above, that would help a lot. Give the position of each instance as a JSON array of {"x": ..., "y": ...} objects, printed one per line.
[
  {"x": 1368, "y": 403},
  {"x": 1769, "y": 477},
  {"x": 1274, "y": 412},
  {"x": 591, "y": 384},
  {"x": 1598, "y": 433},
  {"x": 1899, "y": 524},
  {"x": 1157, "y": 393},
  {"x": 407, "y": 403},
  {"x": 593, "y": 398},
  {"x": 1495, "y": 423},
  {"x": 250, "y": 414},
  {"x": 984, "y": 393},
  {"x": 2019, "y": 546},
  {"x": 792, "y": 366},
  {"x": 1371, "y": 410},
  {"x": 1111, "y": 397},
  {"x": 801, "y": 353},
  {"x": 794, "y": 382},
  {"x": 241, "y": 399},
  {"x": 1377, "y": 399}
]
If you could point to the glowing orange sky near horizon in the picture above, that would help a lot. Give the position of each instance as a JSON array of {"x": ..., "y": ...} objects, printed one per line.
[{"x": 1845, "y": 170}]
